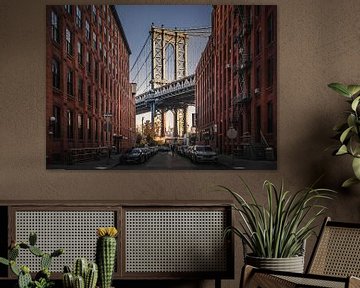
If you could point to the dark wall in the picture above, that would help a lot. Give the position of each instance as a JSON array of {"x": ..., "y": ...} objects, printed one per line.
[{"x": 318, "y": 43}]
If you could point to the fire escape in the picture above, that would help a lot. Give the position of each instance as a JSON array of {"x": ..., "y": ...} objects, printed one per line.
[{"x": 242, "y": 97}]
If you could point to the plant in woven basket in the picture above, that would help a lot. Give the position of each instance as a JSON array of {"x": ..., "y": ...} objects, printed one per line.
[
  {"x": 42, "y": 278},
  {"x": 84, "y": 275},
  {"x": 279, "y": 229},
  {"x": 106, "y": 254},
  {"x": 348, "y": 133}
]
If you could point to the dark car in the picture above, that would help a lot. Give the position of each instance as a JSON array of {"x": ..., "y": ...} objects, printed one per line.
[{"x": 134, "y": 155}]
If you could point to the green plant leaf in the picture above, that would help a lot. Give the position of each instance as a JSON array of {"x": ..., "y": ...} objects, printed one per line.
[
  {"x": 340, "y": 88},
  {"x": 4, "y": 261},
  {"x": 355, "y": 103},
  {"x": 353, "y": 89},
  {"x": 356, "y": 167},
  {"x": 342, "y": 150},
  {"x": 345, "y": 134},
  {"x": 349, "y": 182},
  {"x": 351, "y": 120}
]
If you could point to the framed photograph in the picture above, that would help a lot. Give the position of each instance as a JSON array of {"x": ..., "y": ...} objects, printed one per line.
[{"x": 161, "y": 87}]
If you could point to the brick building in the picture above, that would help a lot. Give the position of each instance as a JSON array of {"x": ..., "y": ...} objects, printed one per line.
[
  {"x": 236, "y": 81},
  {"x": 89, "y": 101}
]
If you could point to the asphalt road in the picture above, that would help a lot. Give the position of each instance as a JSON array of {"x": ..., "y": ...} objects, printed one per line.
[{"x": 164, "y": 161}]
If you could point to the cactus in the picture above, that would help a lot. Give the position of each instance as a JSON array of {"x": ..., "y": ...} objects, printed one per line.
[
  {"x": 42, "y": 278},
  {"x": 79, "y": 282},
  {"x": 32, "y": 238},
  {"x": 80, "y": 267},
  {"x": 68, "y": 280},
  {"x": 84, "y": 276},
  {"x": 91, "y": 276},
  {"x": 45, "y": 261},
  {"x": 24, "y": 280},
  {"x": 105, "y": 254}
]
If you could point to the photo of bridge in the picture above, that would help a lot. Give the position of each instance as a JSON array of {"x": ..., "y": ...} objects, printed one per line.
[{"x": 184, "y": 87}]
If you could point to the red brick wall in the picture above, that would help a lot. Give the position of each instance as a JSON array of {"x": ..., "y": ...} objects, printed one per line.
[
  {"x": 112, "y": 83},
  {"x": 221, "y": 61}
]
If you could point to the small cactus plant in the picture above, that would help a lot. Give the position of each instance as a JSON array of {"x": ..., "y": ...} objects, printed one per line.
[
  {"x": 85, "y": 275},
  {"x": 106, "y": 254},
  {"x": 42, "y": 278}
]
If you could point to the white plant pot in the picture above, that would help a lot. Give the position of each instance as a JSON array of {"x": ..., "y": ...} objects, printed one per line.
[{"x": 291, "y": 264}]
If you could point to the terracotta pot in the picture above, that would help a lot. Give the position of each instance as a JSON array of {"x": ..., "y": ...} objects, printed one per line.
[{"x": 291, "y": 264}]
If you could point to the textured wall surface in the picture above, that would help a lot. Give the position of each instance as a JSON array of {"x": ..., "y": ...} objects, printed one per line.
[{"x": 318, "y": 43}]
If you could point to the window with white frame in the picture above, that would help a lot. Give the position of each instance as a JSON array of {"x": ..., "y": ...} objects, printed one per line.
[{"x": 55, "y": 32}]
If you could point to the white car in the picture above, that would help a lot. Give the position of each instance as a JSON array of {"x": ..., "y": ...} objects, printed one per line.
[{"x": 203, "y": 153}]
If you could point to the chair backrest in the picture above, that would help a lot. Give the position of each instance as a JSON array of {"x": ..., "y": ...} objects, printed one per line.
[{"x": 337, "y": 251}]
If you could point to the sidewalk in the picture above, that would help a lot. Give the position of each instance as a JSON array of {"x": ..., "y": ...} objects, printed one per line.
[
  {"x": 235, "y": 163},
  {"x": 104, "y": 163}
]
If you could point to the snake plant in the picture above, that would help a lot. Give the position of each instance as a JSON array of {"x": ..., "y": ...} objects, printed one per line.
[
  {"x": 278, "y": 229},
  {"x": 348, "y": 133}
]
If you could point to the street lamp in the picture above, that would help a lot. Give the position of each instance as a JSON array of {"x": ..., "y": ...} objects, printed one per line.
[{"x": 52, "y": 125}]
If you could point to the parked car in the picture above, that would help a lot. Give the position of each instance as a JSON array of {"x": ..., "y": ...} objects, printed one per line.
[
  {"x": 134, "y": 155},
  {"x": 203, "y": 153},
  {"x": 188, "y": 151},
  {"x": 181, "y": 150},
  {"x": 164, "y": 149}
]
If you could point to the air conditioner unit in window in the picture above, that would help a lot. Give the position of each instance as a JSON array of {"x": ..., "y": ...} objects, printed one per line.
[{"x": 257, "y": 90}]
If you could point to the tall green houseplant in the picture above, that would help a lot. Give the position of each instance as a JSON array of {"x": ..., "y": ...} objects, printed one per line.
[
  {"x": 348, "y": 132},
  {"x": 279, "y": 228}
]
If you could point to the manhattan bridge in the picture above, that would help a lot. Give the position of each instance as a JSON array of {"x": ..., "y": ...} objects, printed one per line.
[{"x": 161, "y": 72}]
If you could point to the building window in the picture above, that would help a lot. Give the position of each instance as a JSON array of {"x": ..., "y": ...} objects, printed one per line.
[
  {"x": 257, "y": 10},
  {"x": 258, "y": 78},
  {"x": 80, "y": 89},
  {"x": 96, "y": 70},
  {"x": 68, "y": 9},
  {"x": 89, "y": 128},
  {"x": 80, "y": 126},
  {"x": 94, "y": 13},
  {"x": 258, "y": 41},
  {"x": 94, "y": 40},
  {"x": 55, "y": 68},
  {"x": 57, "y": 122},
  {"x": 270, "y": 117},
  {"x": 70, "y": 82},
  {"x": 89, "y": 95},
  {"x": 55, "y": 34},
  {"x": 80, "y": 53},
  {"x": 78, "y": 16},
  {"x": 69, "y": 47},
  {"x": 270, "y": 28},
  {"x": 96, "y": 131},
  {"x": 87, "y": 30},
  {"x": 100, "y": 24},
  {"x": 88, "y": 62},
  {"x": 270, "y": 72},
  {"x": 96, "y": 100},
  {"x": 70, "y": 124}
]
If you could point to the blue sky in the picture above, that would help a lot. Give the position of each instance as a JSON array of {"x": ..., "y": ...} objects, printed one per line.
[{"x": 137, "y": 19}]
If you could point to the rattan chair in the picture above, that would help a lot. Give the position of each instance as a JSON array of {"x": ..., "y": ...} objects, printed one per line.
[{"x": 335, "y": 262}]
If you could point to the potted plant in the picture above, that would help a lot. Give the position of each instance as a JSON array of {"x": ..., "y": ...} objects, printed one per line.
[
  {"x": 348, "y": 133},
  {"x": 276, "y": 233},
  {"x": 42, "y": 278}
]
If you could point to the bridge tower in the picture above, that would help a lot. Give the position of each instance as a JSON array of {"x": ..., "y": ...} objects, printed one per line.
[
  {"x": 168, "y": 63},
  {"x": 166, "y": 44}
]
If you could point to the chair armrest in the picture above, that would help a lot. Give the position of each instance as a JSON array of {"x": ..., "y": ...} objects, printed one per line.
[
  {"x": 254, "y": 277},
  {"x": 354, "y": 282}
]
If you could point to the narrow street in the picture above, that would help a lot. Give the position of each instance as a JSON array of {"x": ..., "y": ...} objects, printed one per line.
[{"x": 164, "y": 160}]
